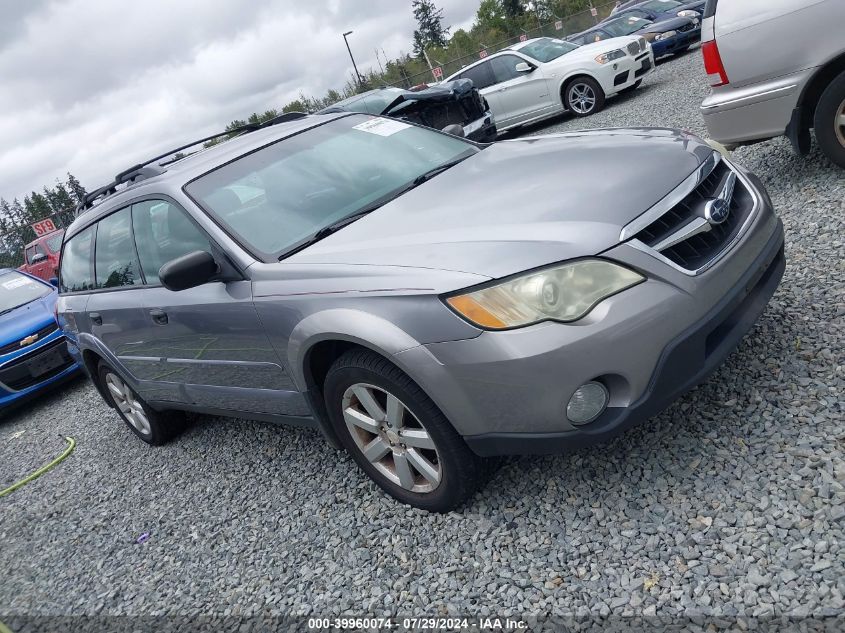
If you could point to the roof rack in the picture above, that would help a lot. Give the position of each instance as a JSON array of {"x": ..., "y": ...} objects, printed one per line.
[{"x": 147, "y": 169}]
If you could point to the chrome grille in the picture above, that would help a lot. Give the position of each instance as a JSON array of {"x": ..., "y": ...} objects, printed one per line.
[
  {"x": 686, "y": 229},
  {"x": 41, "y": 334}
]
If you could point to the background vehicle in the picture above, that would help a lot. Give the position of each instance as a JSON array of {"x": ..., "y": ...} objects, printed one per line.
[
  {"x": 543, "y": 77},
  {"x": 41, "y": 256},
  {"x": 393, "y": 288},
  {"x": 666, "y": 37},
  {"x": 791, "y": 84},
  {"x": 447, "y": 103},
  {"x": 662, "y": 9},
  {"x": 33, "y": 354}
]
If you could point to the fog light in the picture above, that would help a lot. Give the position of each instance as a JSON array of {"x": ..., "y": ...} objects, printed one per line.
[{"x": 587, "y": 403}]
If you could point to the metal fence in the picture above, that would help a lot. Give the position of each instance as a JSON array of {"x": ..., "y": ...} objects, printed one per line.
[
  {"x": 15, "y": 237},
  {"x": 559, "y": 27}
]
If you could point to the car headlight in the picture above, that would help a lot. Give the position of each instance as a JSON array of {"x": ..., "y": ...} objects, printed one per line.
[
  {"x": 610, "y": 56},
  {"x": 666, "y": 35},
  {"x": 566, "y": 293},
  {"x": 686, "y": 13}
]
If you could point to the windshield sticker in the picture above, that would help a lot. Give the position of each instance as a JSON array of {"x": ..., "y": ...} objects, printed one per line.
[
  {"x": 17, "y": 283},
  {"x": 382, "y": 127}
]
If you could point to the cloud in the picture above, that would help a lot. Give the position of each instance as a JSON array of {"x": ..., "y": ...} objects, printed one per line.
[{"x": 91, "y": 87}]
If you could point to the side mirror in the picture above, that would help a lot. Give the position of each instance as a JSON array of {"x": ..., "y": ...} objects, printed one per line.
[
  {"x": 54, "y": 281},
  {"x": 454, "y": 129},
  {"x": 38, "y": 258},
  {"x": 188, "y": 271},
  {"x": 524, "y": 67}
]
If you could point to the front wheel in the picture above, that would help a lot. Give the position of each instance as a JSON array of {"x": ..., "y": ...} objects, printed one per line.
[
  {"x": 829, "y": 121},
  {"x": 583, "y": 96},
  {"x": 397, "y": 435}
]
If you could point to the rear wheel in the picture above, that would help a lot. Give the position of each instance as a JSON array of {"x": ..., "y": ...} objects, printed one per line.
[
  {"x": 154, "y": 427},
  {"x": 829, "y": 121},
  {"x": 583, "y": 96},
  {"x": 398, "y": 436}
]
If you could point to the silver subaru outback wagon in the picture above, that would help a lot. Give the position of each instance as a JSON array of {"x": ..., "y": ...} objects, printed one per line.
[{"x": 427, "y": 302}]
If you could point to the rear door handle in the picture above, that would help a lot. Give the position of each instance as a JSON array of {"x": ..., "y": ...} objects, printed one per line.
[
  {"x": 96, "y": 318},
  {"x": 159, "y": 316}
]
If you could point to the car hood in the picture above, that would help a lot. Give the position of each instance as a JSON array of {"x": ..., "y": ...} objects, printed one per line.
[
  {"x": 521, "y": 204},
  {"x": 665, "y": 25},
  {"x": 23, "y": 321},
  {"x": 589, "y": 51}
]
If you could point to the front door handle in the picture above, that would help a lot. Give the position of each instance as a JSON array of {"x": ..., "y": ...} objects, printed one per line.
[
  {"x": 96, "y": 318},
  {"x": 159, "y": 316}
]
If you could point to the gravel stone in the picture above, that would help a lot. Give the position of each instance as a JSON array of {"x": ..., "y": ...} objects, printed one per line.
[{"x": 730, "y": 503}]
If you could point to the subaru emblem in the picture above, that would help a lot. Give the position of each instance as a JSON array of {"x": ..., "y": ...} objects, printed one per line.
[{"x": 717, "y": 210}]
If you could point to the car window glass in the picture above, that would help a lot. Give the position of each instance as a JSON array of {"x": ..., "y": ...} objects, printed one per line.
[
  {"x": 54, "y": 243},
  {"x": 481, "y": 75},
  {"x": 164, "y": 232},
  {"x": 114, "y": 256},
  {"x": 16, "y": 289},
  {"x": 77, "y": 271},
  {"x": 660, "y": 5},
  {"x": 313, "y": 179},
  {"x": 546, "y": 49},
  {"x": 376, "y": 102},
  {"x": 30, "y": 254},
  {"x": 504, "y": 67}
]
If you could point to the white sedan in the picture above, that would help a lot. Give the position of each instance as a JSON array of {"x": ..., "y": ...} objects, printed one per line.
[{"x": 545, "y": 76}]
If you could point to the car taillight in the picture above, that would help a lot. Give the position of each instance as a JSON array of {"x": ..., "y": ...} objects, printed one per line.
[{"x": 713, "y": 64}]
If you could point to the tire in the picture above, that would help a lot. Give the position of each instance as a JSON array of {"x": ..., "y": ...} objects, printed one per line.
[
  {"x": 583, "y": 96},
  {"x": 153, "y": 427},
  {"x": 437, "y": 472},
  {"x": 829, "y": 120},
  {"x": 632, "y": 87}
]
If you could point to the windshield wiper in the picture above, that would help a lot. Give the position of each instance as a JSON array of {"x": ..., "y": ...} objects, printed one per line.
[{"x": 335, "y": 226}]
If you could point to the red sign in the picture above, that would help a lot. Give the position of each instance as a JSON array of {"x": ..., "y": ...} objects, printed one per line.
[
  {"x": 558, "y": 25},
  {"x": 523, "y": 37},
  {"x": 42, "y": 227},
  {"x": 437, "y": 71},
  {"x": 482, "y": 54},
  {"x": 593, "y": 12}
]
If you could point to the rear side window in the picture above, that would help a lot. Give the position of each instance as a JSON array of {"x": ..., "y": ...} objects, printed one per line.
[
  {"x": 164, "y": 232},
  {"x": 77, "y": 271},
  {"x": 481, "y": 75},
  {"x": 115, "y": 262}
]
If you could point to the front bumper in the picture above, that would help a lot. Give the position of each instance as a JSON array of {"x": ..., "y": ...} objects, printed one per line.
[
  {"x": 25, "y": 388},
  {"x": 752, "y": 113},
  {"x": 625, "y": 72},
  {"x": 681, "y": 41},
  {"x": 506, "y": 392}
]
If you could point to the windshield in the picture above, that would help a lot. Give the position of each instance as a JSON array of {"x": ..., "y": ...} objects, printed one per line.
[
  {"x": 17, "y": 290},
  {"x": 660, "y": 5},
  {"x": 546, "y": 49},
  {"x": 311, "y": 180},
  {"x": 625, "y": 26},
  {"x": 372, "y": 103}
]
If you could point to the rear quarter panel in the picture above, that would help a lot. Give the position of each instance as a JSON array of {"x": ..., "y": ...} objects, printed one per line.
[{"x": 764, "y": 39}]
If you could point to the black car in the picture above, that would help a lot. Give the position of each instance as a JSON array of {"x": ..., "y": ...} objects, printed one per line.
[
  {"x": 445, "y": 104},
  {"x": 667, "y": 37}
]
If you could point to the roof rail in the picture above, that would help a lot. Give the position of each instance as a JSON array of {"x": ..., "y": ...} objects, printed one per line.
[{"x": 145, "y": 170}]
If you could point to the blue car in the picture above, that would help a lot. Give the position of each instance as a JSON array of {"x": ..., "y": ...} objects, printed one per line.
[
  {"x": 33, "y": 351},
  {"x": 661, "y": 9},
  {"x": 666, "y": 37}
]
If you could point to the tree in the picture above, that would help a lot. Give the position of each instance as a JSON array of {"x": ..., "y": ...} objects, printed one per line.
[
  {"x": 430, "y": 30},
  {"x": 513, "y": 9}
]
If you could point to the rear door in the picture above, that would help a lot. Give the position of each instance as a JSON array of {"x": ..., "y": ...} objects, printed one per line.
[
  {"x": 204, "y": 346},
  {"x": 41, "y": 266}
]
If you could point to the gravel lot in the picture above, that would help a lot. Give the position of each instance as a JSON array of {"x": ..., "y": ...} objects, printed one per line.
[{"x": 731, "y": 502}]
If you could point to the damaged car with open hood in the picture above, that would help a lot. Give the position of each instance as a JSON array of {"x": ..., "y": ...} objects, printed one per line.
[{"x": 425, "y": 301}]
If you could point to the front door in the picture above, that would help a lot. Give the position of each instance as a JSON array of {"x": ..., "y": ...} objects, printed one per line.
[
  {"x": 205, "y": 345},
  {"x": 521, "y": 95}
]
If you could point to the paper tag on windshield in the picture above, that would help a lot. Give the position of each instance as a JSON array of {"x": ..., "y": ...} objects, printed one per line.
[
  {"x": 382, "y": 127},
  {"x": 17, "y": 283}
]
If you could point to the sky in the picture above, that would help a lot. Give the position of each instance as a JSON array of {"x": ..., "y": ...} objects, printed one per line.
[{"x": 94, "y": 86}]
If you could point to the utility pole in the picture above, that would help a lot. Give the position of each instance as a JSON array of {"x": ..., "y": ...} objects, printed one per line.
[{"x": 357, "y": 74}]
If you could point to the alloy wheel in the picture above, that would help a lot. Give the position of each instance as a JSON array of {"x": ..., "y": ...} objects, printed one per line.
[
  {"x": 128, "y": 403},
  {"x": 582, "y": 98},
  {"x": 391, "y": 438},
  {"x": 839, "y": 123}
]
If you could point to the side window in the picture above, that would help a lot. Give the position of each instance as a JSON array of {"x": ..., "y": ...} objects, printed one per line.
[
  {"x": 164, "y": 232},
  {"x": 114, "y": 256},
  {"x": 30, "y": 254},
  {"x": 481, "y": 75},
  {"x": 503, "y": 67},
  {"x": 54, "y": 243},
  {"x": 598, "y": 36},
  {"x": 77, "y": 272}
]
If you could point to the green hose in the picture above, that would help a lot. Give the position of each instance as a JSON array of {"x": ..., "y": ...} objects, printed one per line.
[
  {"x": 70, "y": 444},
  {"x": 4, "y": 628}
]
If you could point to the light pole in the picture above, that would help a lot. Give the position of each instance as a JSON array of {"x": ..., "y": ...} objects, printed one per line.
[{"x": 357, "y": 74}]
